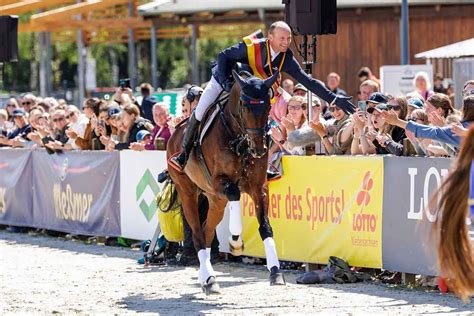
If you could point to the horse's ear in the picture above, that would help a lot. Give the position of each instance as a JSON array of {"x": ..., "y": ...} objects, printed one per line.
[
  {"x": 270, "y": 81},
  {"x": 238, "y": 78}
]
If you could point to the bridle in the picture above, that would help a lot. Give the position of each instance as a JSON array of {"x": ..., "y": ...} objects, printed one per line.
[{"x": 242, "y": 144}]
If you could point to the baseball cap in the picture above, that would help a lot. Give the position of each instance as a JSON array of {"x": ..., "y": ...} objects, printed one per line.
[
  {"x": 114, "y": 110},
  {"x": 299, "y": 86},
  {"x": 379, "y": 108},
  {"x": 142, "y": 134},
  {"x": 416, "y": 103},
  {"x": 18, "y": 112},
  {"x": 377, "y": 97}
]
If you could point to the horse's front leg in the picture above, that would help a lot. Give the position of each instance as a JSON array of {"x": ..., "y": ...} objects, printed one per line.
[
  {"x": 260, "y": 198},
  {"x": 225, "y": 188}
]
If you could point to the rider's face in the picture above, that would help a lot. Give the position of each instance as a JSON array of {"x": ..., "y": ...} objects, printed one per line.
[{"x": 280, "y": 40}]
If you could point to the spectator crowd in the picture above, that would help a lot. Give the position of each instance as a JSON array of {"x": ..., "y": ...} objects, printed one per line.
[{"x": 424, "y": 122}]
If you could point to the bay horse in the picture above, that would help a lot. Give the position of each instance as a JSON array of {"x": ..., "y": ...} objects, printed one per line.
[
  {"x": 235, "y": 153},
  {"x": 455, "y": 250}
]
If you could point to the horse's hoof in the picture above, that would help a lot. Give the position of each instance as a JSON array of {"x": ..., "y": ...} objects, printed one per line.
[
  {"x": 276, "y": 277},
  {"x": 211, "y": 286},
  {"x": 236, "y": 247}
]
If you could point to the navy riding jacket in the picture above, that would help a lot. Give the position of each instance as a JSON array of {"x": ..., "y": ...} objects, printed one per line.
[{"x": 227, "y": 59}]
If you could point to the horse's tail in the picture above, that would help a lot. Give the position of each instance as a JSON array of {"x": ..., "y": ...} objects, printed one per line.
[{"x": 455, "y": 252}]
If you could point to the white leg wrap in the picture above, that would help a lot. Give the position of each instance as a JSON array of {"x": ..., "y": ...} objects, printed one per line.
[
  {"x": 205, "y": 267},
  {"x": 235, "y": 218},
  {"x": 271, "y": 254},
  {"x": 208, "y": 97}
]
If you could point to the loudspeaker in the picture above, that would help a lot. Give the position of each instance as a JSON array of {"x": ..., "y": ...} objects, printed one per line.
[
  {"x": 307, "y": 17},
  {"x": 8, "y": 38}
]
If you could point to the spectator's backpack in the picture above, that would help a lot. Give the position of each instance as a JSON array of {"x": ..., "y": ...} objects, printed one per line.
[{"x": 169, "y": 213}]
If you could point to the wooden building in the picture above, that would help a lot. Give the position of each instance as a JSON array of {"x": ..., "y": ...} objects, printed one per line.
[{"x": 368, "y": 31}]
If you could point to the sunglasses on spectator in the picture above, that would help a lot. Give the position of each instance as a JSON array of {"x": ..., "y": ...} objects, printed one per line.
[
  {"x": 70, "y": 115},
  {"x": 333, "y": 109},
  {"x": 296, "y": 107},
  {"x": 58, "y": 119},
  {"x": 26, "y": 103},
  {"x": 10, "y": 104},
  {"x": 416, "y": 119},
  {"x": 394, "y": 107}
]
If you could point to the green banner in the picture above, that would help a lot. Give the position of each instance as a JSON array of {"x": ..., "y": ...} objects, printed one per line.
[{"x": 172, "y": 99}]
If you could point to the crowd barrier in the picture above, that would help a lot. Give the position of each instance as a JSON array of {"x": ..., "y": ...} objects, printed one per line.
[{"x": 372, "y": 211}]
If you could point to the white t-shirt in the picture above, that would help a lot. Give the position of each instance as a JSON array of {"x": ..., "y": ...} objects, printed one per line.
[{"x": 80, "y": 128}]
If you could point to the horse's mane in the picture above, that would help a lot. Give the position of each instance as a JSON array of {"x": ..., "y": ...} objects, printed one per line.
[
  {"x": 455, "y": 252},
  {"x": 233, "y": 103}
]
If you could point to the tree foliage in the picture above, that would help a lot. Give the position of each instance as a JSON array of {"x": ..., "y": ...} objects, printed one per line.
[{"x": 173, "y": 55}]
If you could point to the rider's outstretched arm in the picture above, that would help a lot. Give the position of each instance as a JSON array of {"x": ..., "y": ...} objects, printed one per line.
[{"x": 317, "y": 87}]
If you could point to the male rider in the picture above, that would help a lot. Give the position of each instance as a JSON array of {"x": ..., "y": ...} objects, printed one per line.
[{"x": 263, "y": 56}]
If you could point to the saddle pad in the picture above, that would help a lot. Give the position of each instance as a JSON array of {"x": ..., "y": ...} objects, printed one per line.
[
  {"x": 211, "y": 115},
  {"x": 207, "y": 124}
]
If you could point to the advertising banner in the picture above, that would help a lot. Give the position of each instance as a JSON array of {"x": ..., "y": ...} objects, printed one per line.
[
  {"x": 407, "y": 217},
  {"x": 172, "y": 100},
  {"x": 398, "y": 79},
  {"x": 16, "y": 185},
  {"x": 321, "y": 207},
  {"x": 138, "y": 190},
  {"x": 77, "y": 192}
]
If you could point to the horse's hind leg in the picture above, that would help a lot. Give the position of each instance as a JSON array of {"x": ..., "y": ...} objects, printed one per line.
[
  {"x": 260, "y": 199},
  {"x": 231, "y": 192}
]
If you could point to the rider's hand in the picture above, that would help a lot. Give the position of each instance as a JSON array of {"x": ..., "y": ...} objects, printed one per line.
[{"x": 344, "y": 104}]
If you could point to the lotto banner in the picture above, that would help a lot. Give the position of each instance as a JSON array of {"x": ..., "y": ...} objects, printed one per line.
[
  {"x": 408, "y": 216},
  {"x": 321, "y": 207}
]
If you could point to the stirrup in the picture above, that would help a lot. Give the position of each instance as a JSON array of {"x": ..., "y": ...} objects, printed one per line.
[{"x": 174, "y": 163}]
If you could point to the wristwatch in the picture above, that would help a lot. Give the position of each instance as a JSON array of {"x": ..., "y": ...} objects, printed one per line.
[{"x": 325, "y": 136}]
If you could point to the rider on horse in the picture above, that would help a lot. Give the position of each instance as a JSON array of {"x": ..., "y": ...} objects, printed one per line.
[{"x": 254, "y": 51}]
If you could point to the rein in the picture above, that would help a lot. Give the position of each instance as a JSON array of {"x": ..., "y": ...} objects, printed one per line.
[{"x": 241, "y": 144}]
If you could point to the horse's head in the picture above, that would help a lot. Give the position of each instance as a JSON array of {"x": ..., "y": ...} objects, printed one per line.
[{"x": 254, "y": 108}]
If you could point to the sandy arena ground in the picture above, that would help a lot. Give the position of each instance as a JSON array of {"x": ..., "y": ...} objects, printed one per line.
[{"x": 50, "y": 275}]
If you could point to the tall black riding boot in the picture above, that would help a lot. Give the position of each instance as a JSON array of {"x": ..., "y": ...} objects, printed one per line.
[{"x": 188, "y": 142}]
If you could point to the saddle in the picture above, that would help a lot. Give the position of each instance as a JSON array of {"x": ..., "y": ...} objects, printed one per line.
[
  {"x": 211, "y": 114},
  {"x": 208, "y": 120}
]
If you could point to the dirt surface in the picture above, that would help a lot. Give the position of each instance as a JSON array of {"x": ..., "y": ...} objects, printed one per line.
[{"x": 51, "y": 275}]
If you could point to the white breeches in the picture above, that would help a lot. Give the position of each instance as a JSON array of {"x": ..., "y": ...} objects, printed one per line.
[{"x": 213, "y": 89}]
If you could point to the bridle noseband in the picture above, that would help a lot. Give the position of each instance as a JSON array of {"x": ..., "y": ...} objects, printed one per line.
[{"x": 242, "y": 143}]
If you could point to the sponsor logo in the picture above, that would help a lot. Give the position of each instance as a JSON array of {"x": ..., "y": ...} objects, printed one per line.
[
  {"x": 419, "y": 205},
  {"x": 363, "y": 222},
  {"x": 2, "y": 200},
  {"x": 63, "y": 171},
  {"x": 364, "y": 194},
  {"x": 148, "y": 208},
  {"x": 70, "y": 205}
]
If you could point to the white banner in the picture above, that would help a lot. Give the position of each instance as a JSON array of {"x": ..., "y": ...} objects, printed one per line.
[
  {"x": 397, "y": 80},
  {"x": 138, "y": 189}
]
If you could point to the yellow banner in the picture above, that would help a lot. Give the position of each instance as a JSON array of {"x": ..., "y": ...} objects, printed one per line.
[{"x": 321, "y": 207}]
